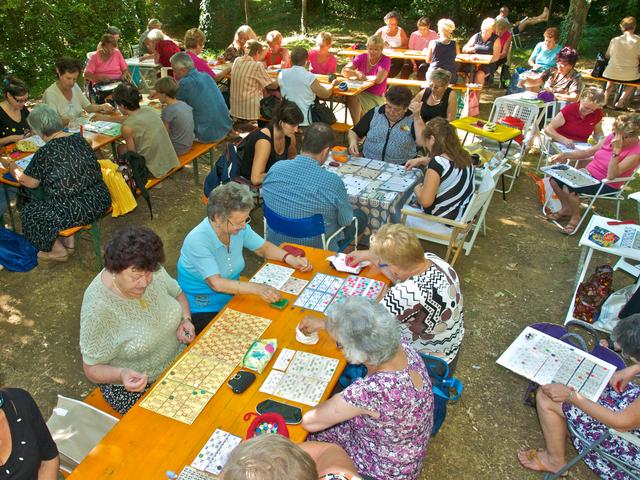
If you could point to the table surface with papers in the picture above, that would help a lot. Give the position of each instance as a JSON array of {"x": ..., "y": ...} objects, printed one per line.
[
  {"x": 379, "y": 189},
  {"x": 145, "y": 444}
]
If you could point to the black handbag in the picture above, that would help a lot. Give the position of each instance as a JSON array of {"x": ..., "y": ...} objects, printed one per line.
[
  {"x": 319, "y": 112},
  {"x": 599, "y": 66},
  {"x": 268, "y": 106}
]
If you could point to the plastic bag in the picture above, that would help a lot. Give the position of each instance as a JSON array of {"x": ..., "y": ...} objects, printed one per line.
[{"x": 16, "y": 253}]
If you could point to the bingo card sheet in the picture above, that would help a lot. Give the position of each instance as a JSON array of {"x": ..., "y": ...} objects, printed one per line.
[
  {"x": 273, "y": 275},
  {"x": 213, "y": 455},
  {"x": 544, "y": 359},
  {"x": 320, "y": 292}
]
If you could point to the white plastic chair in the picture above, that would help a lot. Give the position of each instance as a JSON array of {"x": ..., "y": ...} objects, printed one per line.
[{"x": 454, "y": 233}]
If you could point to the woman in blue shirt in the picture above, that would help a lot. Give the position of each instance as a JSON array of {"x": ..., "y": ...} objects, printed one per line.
[
  {"x": 211, "y": 258},
  {"x": 544, "y": 54}
]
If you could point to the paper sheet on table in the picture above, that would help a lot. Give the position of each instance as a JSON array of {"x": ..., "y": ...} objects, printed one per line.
[
  {"x": 339, "y": 262},
  {"x": 355, "y": 185},
  {"x": 577, "y": 146},
  {"x": 24, "y": 162},
  {"x": 105, "y": 128}
]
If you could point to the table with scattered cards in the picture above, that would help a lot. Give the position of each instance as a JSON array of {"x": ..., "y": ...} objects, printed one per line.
[{"x": 190, "y": 419}]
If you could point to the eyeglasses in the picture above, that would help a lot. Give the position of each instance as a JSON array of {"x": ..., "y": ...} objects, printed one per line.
[
  {"x": 244, "y": 223},
  {"x": 20, "y": 100}
]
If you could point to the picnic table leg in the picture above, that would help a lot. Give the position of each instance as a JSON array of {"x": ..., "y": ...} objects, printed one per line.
[
  {"x": 9, "y": 207},
  {"x": 196, "y": 178},
  {"x": 114, "y": 151},
  {"x": 95, "y": 236}
]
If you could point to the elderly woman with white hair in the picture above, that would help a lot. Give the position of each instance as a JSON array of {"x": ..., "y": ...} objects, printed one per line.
[
  {"x": 437, "y": 100},
  {"x": 618, "y": 407},
  {"x": 485, "y": 42},
  {"x": 441, "y": 53},
  {"x": 162, "y": 47},
  {"x": 211, "y": 259},
  {"x": 67, "y": 186},
  {"x": 384, "y": 420}
]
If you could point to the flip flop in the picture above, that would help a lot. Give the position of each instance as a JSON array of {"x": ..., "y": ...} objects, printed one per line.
[
  {"x": 532, "y": 455},
  {"x": 554, "y": 217},
  {"x": 569, "y": 228}
]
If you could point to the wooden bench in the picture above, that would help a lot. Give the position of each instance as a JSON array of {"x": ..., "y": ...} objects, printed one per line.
[
  {"x": 94, "y": 231},
  {"x": 96, "y": 400},
  {"x": 197, "y": 150},
  {"x": 620, "y": 84},
  {"x": 406, "y": 82}
]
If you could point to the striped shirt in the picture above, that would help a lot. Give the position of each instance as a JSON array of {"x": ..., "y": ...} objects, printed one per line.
[
  {"x": 455, "y": 190},
  {"x": 248, "y": 79}
]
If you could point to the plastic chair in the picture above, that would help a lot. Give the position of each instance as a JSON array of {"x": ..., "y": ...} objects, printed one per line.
[
  {"x": 452, "y": 233},
  {"x": 306, "y": 227}
]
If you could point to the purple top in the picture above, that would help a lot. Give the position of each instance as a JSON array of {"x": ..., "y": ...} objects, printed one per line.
[
  {"x": 201, "y": 65},
  {"x": 361, "y": 63},
  {"x": 327, "y": 67},
  {"x": 393, "y": 446}
]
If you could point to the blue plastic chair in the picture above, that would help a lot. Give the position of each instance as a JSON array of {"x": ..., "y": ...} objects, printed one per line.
[{"x": 306, "y": 227}]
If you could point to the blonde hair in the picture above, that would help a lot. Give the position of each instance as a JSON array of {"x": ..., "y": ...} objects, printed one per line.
[
  {"x": 324, "y": 37},
  {"x": 397, "y": 245},
  {"x": 269, "y": 457},
  {"x": 375, "y": 41},
  {"x": 488, "y": 24},
  {"x": 628, "y": 24},
  {"x": 193, "y": 38},
  {"x": 446, "y": 27},
  {"x": 446, "y": 141},
  {"x": 246, "y": 31},
  {"x": 627, "y": 124},
  {"x": 502, "y": 25},
  {"x": 253, "y": 48},
  {"x": 273, "y": 35},
  {"x": 593, "y": 94}
]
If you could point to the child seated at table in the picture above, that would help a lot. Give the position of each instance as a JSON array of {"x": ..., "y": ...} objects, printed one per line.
[
  {"x": 277, "y": 55},
  {"x": 177, "y": 116}
]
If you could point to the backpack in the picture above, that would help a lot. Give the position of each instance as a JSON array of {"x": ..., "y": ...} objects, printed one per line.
[
  {"x": 133, "y": 168},
  {"x": 226, "y": 167},
  {"x": 591, "y": 294},
  {"x": 268, "y": 106}
]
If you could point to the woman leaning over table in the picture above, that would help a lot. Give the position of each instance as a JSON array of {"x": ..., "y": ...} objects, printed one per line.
[
  {"x": 71, "y": 191},
  {"x": 27, "y": 450},
  {"x": 383, "y": 420},
  {"x": 576, "y": 122},
  {"x": 134, "y": 318},
  {"x": 13, "y": 111},
  {"x": 371, "y": 64},
  {"x": 107, "y": 64},
  {"x": 211, "y": 259},
  {"x": 615, "y": 156},
  {"x": 437, "y": 100},
  {"x": 66, "y": 97},
  {"x": 617, "y": 408}
]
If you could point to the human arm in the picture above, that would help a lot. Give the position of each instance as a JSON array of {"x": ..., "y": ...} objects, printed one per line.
[
  {"x": 358, "y": 256},
  {"x": 333, "y": 411},
  {"x": 309, "y": 324},
  {"x": 359, "y": 132},
  {"x": 621, "y": 378},
  {"x": 323, "y": 92},
  {"x": 292, "y": 151},
  {"x": 552, "y": 130},
  {"x": 186, "y": 332},
  {"x": 470, "y": 46},
  {"x": 452, "y": 107},
  {"x": 429, "y": 54},
  {"x": 533, "y": 58},
  {"x": 598, "y": 134},
  {"x": 577, "y": 154},
  {"x": 350, "y": 70},
  {"x": 98, "y": 108},
  {"x": 22, "y": 178},
  {"x": 262, "y": 152},
  {"x": 426, "y": 193},
  {"x": 269, "y": 251},
  {"x": 11, "y": 139},
  {"x": 354, "y": 143},
  {"x": 404, "y": 38},
  {"x": 102, "y": 373},
  {"x": 383, "y": 70},
  {"x": 617, "y": 167},
  {"x": 495, "y": 56},
  {"x": 504, "y": 51},
  {"x": 416, "y": 102},
  {"x": 623, "y": 420},
  {"x": 127, "y": 135},
  {"x": 49, "y": 469}
]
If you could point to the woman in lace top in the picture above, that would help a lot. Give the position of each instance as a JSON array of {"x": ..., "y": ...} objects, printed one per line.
[{"x": 134, "y": 318}]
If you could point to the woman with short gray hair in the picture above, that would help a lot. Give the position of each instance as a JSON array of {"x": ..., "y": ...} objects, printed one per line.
[
  {"x": 383, "y": 421},
  {"x": 211, "y": 258},
  {"x": 437, "y": 100},
  {"x": 67, "y": 175}
]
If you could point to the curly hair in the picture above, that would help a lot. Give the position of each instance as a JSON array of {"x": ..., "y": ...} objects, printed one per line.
[
  {"x": 134, "y": 246},
  {"x": 68, "y": 65},
  {"x": 569, "y": 55}
]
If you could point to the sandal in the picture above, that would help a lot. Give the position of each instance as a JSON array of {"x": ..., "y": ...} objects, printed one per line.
[
  {"x": 569, "y": 228},
  {"x": 46, "y": 256},
  {"x": 538, "y": 466}
]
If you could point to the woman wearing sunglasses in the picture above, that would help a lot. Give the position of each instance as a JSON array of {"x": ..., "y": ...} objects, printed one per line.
[
  {"x": 13, "y": 111},
  {"x": 211, "y": 259}
]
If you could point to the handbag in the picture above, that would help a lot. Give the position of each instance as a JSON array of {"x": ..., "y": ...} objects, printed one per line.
[
  {"x": 133, "y": 168},
  {"x": 268, "y": 106},
  {"x": 320, "y": 112},
  {"x": 591, "y": 294},
  {"x": 16, "y": 253},
  {"x": 599, "y": 66},
  {"x": 471, "y": 104}
]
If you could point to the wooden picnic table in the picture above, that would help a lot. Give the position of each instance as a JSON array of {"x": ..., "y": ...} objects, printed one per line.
[
  {"x": 403, "y": 53},
  {"x": 144, "y": 444}
]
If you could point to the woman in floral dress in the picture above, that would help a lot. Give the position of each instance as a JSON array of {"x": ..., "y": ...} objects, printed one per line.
[
  {"x": 384, "y": 420},
  {"x": 618, "y": 408}
]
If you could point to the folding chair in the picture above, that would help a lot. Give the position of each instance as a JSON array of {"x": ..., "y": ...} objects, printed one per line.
[
  {"x": 306, "y": 227},
  {"x": 452, "y": 233},
  {"x": 632, "y": 470}
]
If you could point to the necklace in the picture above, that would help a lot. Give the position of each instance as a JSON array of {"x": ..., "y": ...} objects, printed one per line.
[
  {"x": 373, "y": 64},
  {"x": 141, "y": 300}
]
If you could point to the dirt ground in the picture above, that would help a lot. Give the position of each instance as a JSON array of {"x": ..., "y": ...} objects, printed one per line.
[{"x": 521, "y": 272}]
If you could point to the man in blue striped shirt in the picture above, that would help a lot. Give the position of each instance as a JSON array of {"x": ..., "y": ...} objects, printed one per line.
[{"x": 300, "y": 188}]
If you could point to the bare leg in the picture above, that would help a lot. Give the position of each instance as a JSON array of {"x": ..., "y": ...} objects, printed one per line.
[
  {"x": 355, "y": 110},
  {"x": 480, "y": 75},
  {"x": 608, "y": 93},
  {"x": 329, "y": 458},
  {"x": 68, "y": 242},
  {"x": 554, "y": 430},
  {"x": 626, "y": 97},
  {"x": 58, "y": 252},
  {"x": 528, "y": 21},
  {"x": 563, "y": 196}
]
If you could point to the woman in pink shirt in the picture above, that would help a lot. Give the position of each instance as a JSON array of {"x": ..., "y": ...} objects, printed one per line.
[
  {"x": 373, "y": 66},
  {"x": 194, "y": 40},
  {"x": 107, "y": 63},
  {"x": 320, "y": 58},
  {"x": 616, "y": 156},
  {"x": 419, "y": 40}
]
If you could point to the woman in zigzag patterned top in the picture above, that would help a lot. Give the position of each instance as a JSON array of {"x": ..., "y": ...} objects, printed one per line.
[{"x": 425, "y": 298}]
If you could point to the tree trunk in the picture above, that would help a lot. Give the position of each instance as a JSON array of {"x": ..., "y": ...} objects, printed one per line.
[
  {"x": 574, "y": 23},
  {"x": 303, "y": 17},
  {"x": 246, "y": 12}
]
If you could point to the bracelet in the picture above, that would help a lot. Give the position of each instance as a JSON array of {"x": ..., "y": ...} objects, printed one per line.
[
  {"x": 284, "y": 259},
  {"x": 571, "y": 396},
  {"x": 186, "y": 319}
]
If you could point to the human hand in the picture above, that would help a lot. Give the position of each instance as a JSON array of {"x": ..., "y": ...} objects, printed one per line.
[
  {"x": 133, "y": 381},
  {"x": 309, "y": 325},
  {"x": 353, "y": 149},
  {"x": 413, "y": 163},
  {"x": 616, "y": 144},
  {"x": 5, "y": 162},
  {"x": 15, "y": 138},
  {"x": 621, "y": 378},
  {"x": 558, "y": 392},
  {"x": 568, "y": 143},
  {"x": 557, "y": 158},
  {"x": 266, "y": 292},
  {"x": 106, "y": 108},
  {"x": 299, "y": 263},
  {"x": 357, "y": 257},
  {"x": 186, "y": 332}
]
